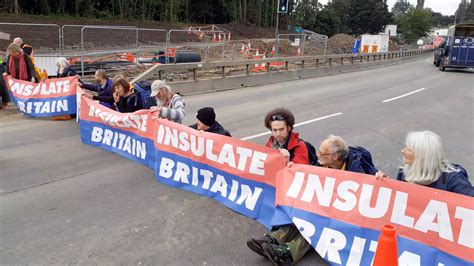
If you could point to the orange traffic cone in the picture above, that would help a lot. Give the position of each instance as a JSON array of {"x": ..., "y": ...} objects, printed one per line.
[
  {"x": 249, "y": 46},
  {"x": 243, "y": 47},
  {"x": 387, "y": 253},
  {"x": 257, "y": 53},
  {"x": 214, "y": 38},
  {"x": 201, "y": 36},
  {"x": 220, "y": 38},
  {"x": 273, "y": 50},
  {"x": 299, "y": 52}
]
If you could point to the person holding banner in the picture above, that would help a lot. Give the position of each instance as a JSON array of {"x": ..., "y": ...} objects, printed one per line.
[
  {"x": 4, "y": 95},
  {"x": 64, "y": 69},
  {"x": 206, "y": 121},
  {"x": 424, "y": 164},
  {"x": 125, "y": 100},
  {"x": 19, "y": 65},
  {"x": 104, "y": 89},
  {"x": 285, "y": 245},
  {"x": 334, "y": 152},
  {"x": 169, "y": 105}
]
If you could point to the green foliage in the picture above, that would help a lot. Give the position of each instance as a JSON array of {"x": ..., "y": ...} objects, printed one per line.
[
  {"x": 416, "y": 24},
  {"x": 368, "y": 16}
]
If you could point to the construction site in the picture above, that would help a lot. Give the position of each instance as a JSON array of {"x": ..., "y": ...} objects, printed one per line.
[{"x": 132, "y": 48}]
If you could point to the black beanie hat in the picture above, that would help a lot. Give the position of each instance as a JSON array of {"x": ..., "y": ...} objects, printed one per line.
[{"x": 207, "y": 116}]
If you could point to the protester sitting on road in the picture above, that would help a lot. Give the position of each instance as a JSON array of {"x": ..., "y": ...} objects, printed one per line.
[
  {"x": 334, "y": 152},
  {"x": 206, "y": 121},
  {"x": 125, "y": 100},
  {"x": 104, "y": 89},
  {"x": 63, "y": 68},
  {"x": 169, "y": 105},
  {"x": 286, "y": 245},
  {"x": 19, "y": 65},
  {"x": 424, "y": 164}
]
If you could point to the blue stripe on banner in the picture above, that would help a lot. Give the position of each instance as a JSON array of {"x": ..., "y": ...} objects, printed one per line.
[
  {"x": 46, "y": 107},
  {"x": 343, "y": 243},
  {"x": 127, "y": 144},
  {"x": 252, "y": 199}
]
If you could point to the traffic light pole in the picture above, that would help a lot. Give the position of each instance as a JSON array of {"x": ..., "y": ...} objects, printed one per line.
[{"x": 276, "y": 34}]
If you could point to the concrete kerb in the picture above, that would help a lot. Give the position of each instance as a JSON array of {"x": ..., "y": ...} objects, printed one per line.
[{"x": 235, "y": 82}]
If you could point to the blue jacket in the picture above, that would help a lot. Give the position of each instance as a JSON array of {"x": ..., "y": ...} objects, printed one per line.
[
  {"x": 457, "y": 182},
  {"x": 67, "y": 72},
  {"x": 105, "y": 90}
]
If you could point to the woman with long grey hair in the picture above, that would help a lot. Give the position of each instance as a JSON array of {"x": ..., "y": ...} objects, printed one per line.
[{"x": 424, "y": 164}]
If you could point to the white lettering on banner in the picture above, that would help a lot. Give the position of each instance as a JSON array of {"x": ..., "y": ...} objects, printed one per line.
[
  {"x": 46, "y": 107},
  {"x": 332, "y": 243},
  {"x": 27, "y": 90},
  {"x": 122, "y": 121},
  {"x": 120, "y": 141},
  {"x": 207, "y": 180},
  {"x": 229, "y": 155},
  {"x": 435, "y": 216}
]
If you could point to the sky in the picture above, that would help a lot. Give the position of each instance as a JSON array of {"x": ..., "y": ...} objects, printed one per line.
[{"x": 445, "y": 7}]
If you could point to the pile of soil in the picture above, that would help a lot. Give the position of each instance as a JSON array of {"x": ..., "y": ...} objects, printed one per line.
[{"x": 340, "y": 44}]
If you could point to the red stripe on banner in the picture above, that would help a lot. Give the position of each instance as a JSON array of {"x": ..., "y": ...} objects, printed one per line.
[
  {"x": 245, "y": 159},
  {"x": 136, "y": 122},
  {"x": 438, "y": 218},
  {"x": 46, "y": 89}
]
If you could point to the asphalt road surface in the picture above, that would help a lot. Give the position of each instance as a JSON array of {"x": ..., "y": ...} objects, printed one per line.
[{"x": 63, "y": 202}]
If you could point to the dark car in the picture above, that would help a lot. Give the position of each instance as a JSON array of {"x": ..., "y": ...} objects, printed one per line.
[{"x": 439, "y": 53}]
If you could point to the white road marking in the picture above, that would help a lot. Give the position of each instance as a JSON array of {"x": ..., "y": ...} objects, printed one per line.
[
  {"x": 401, "y": 96},
  {"x": 296, "y": 125}
]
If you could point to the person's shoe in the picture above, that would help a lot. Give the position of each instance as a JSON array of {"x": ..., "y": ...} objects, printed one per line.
[
  {"x": 278, "y": 254},
  {"x": 256, "y": 244}
]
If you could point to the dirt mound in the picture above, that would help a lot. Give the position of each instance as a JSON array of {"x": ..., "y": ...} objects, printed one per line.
[{"x": 341, "y": 44}]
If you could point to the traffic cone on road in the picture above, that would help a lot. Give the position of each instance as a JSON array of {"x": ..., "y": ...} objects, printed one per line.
[
  {"x": 214, "y": 38},
  {"x": 387, "y": 252}
]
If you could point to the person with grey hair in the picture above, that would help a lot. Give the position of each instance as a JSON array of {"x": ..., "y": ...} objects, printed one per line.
[
  {"x": 334, "y": 152},
  {"x": 63, "y": 68},
  {"x": 170, "y": 105},
  {"x": 27, "y": 49},
  {"x": 424, "y": 163}
]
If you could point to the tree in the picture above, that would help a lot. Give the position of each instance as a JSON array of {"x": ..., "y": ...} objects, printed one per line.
[
  {"x": 416, "y": 24},
  {"x": 400, "y": 8},
  {"x": 368, "y": 16}
]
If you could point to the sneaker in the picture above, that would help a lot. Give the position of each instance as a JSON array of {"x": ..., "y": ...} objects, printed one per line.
[
  {"x": 256, "y": 244},
  {"x": 278, "y": 254}
]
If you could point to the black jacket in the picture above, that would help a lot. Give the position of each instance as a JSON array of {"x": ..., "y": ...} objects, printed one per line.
[{"x": 215, "y": 128}]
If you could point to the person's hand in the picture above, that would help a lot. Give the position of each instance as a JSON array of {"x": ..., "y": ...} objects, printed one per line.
[
  {"x": 155, "y": 109},
  {"x": 380, "y": 175},
  {"x": 116, "y": 97},
  {"x": 290, "y": 164},
  {"x": 87, "y": 95},
  {"x": 285, "y": 154}
]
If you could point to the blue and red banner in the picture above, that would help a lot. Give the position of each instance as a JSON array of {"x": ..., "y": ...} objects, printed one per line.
[
  {"x": 50, "y": 97},
  {"x": 340, "y": 213}
]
